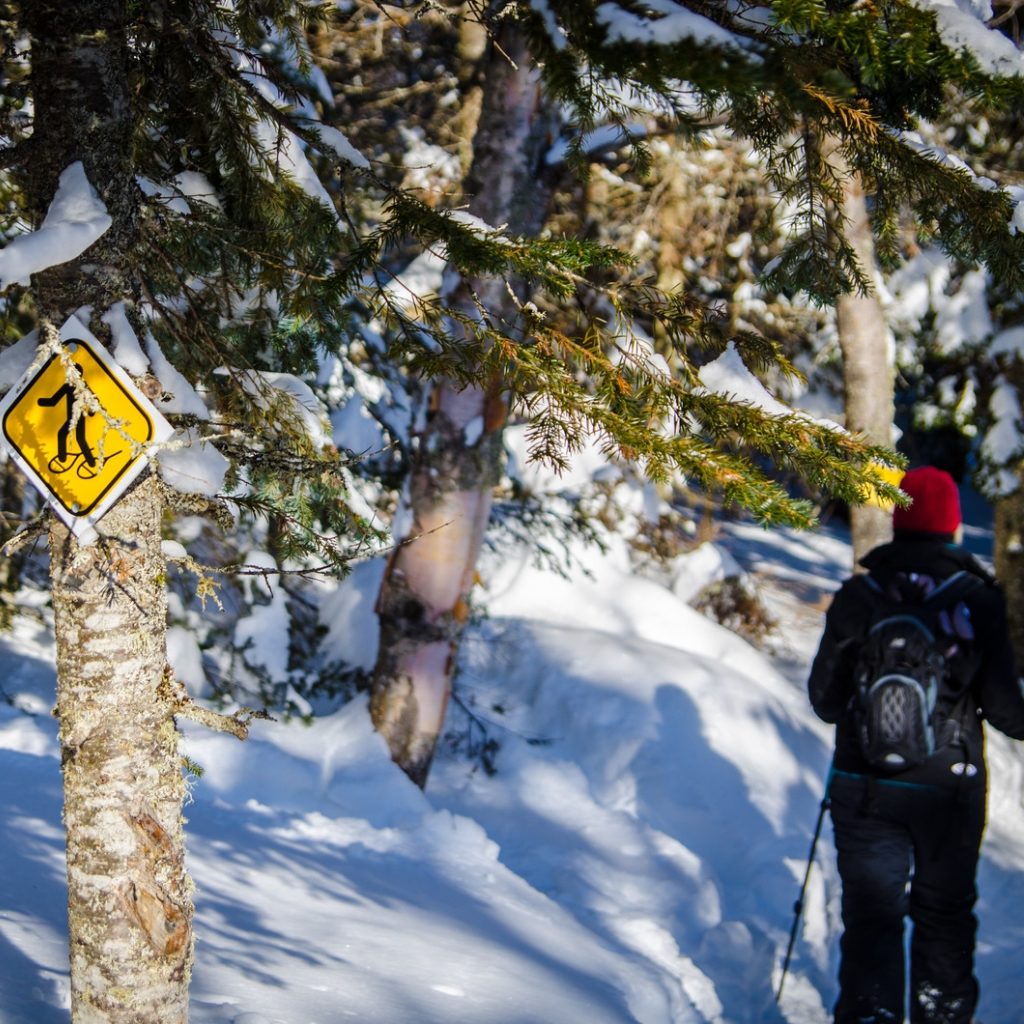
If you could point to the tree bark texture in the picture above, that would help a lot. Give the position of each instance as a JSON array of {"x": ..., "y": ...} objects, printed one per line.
[
  {"x": 129, "y": 905},
  {"x": 129, "y": 902},
  {"x": 1008, "y": 560},
  {"x": 867, "y": 367},
  {"x": 82, "y": 111},
  {"x": 456, "y": 450}
]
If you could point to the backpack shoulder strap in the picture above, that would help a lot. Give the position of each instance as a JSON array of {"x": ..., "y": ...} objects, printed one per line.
[
  {"x": 878, "y": 596},
  {"x": 870, "y": 582},
  {"x": 953, "y": 589}
]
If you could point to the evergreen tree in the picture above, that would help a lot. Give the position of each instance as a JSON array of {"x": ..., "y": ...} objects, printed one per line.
[
  {"x": 129, "y": 906},
  {"x": 224, "y": 262},
  {"x": 836, "y": 119},
  {"x": 163, "y": 124}
]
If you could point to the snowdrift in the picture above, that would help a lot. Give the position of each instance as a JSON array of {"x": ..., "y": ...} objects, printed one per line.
[{"x": 634, "y": 858}]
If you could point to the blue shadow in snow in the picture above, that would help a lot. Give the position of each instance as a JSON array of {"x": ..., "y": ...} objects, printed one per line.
[
  {"x": 689, "y": 792},
  {"x": 385, "y": 881},
  {"x": 33, "y": 886},
  {"x": 710, "y": 813}
]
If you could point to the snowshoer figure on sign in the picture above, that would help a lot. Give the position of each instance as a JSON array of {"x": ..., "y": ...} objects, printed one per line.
[
  {"x": 66, "y": 393},
  {"x": 914, "y": 655}
]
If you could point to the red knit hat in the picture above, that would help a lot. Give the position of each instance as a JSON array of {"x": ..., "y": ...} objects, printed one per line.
[{"x": 936, "y": 502}]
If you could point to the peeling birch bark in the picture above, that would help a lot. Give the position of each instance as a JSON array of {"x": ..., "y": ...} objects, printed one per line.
[
  {"x": 423, "y": 601},
  {"x": 456, "y": 455}
]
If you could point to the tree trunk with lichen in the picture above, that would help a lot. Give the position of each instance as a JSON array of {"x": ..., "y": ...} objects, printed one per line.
[
  {"x": 129, "y": 909},
  {"x": 456, "y": 451},
  {"x": 867, "y": 367},
  {"x": 129, "y": 904}
]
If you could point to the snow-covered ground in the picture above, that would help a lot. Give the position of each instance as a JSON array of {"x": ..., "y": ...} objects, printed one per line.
[{"x": 635, "y": 857}]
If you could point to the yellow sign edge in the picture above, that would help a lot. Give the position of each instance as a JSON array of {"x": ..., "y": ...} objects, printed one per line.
[{"x": 83, "y": 527}]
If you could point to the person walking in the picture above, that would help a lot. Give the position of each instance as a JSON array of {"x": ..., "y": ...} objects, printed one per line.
[{"x": 907, "y": 788}]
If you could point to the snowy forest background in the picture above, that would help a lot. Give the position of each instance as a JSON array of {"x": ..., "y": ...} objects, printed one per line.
[{"x": 509, "y": 350}]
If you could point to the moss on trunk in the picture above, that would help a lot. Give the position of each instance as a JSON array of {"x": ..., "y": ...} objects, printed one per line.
[{"x": 129, "y": 905}]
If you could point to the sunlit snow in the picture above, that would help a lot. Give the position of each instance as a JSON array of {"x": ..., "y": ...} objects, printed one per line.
[
  {"x": 634, "y": 859},
  {"x": 76, "y": 218}
]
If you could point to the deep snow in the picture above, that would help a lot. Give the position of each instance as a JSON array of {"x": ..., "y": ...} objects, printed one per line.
[{"x": 635, "y": 858}]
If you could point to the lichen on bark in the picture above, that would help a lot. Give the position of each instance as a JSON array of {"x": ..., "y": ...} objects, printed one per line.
[
  {"x": 129, "y": 897},
  {"x": 129, "y": 903}
]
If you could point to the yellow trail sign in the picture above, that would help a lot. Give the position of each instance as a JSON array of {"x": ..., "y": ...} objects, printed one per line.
[{"x": 79, "y": 428}]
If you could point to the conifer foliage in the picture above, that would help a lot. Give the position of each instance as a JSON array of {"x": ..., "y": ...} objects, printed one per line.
[
  {"x": 214, "y": 273},
  {"x": 802, "y": 81},
  {"x": 787, "y": 75},
  {"x": 235, "y": 254},
  {"x": 828, "y": 97}
]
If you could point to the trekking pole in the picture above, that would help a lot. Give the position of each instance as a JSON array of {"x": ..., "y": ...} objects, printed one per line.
[{"x": 798, "y": 907}]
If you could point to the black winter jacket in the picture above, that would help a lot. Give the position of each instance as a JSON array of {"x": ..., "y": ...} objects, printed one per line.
[{"x": 996, "y": 693}]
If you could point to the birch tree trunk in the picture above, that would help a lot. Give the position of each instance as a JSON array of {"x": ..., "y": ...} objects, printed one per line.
[
  {"x": 867, "y": 367},
  {"x": 129, "y": 908},
  {"x": 1008, "y": 561},
  {"x": 456, "y": 452}
]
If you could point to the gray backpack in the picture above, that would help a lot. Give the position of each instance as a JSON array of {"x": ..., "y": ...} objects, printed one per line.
[{"x": 907, "y": 702}]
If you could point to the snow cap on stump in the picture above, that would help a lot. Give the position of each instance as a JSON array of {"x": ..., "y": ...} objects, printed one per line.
[{"x": 936, "y": 502}]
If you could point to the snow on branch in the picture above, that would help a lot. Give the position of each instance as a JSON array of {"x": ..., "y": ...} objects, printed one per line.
[
  {"x": 338, "y": 143},
  {"x": 961, "y": 24},
  {"x": 914, "y": 141},
  {"x": 554, "y": 30},
  {"x": 192, "y": 465},
  {"x": 286, "y": 398},
  {"x": 675, "y": 23},
  {"x": 276, "y": 138},
  {"x": 188, "y": 185},
  {"x": 603, "y": 139},
  {"x": 76, "y": 218},
  {"x": 729, "y": 375}
]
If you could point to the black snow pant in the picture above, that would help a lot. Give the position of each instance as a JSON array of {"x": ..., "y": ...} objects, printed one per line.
[{"x": 907, "y": 850}]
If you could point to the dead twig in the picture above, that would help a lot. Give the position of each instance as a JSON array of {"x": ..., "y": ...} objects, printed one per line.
[{"x": 182, "y": 704}]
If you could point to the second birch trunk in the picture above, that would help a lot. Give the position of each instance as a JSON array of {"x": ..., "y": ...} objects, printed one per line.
[{"x": 456, "y": 455}]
